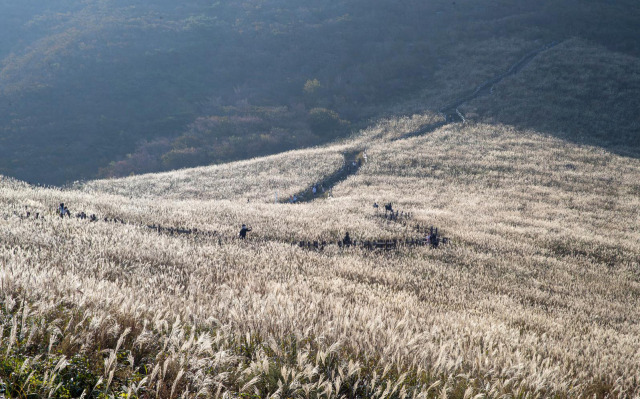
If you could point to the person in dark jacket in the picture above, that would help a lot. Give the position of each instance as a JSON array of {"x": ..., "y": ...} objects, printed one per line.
[
  {"x": 243, "y": 231},
  {"x": 346, "y": 241},
  {"x": 434, "y": 240}
]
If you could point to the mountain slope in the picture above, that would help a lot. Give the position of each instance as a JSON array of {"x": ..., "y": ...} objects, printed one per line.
[
  {"x": 116, "y": 87},
  {"x": 577, "y": 91},
  {"x": 536, "y": 294}
]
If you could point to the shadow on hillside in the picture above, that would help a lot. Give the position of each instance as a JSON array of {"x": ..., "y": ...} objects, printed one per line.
[
  {"x": 613, "y": 138},
  {"x": 323, "y": 188},
  {"x": 577, "y": 92}
]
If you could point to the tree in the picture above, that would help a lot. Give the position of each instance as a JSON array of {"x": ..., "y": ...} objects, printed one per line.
[{"x": 311, "y": 86}]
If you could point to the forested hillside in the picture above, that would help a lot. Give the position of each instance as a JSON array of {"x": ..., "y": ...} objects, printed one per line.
[{"x": 115, "y": 87}]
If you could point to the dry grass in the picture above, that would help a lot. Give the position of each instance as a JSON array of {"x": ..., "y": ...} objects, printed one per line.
[
  {"x": 577, "y": 91},
  {"x": 286, "y": 173},
  {"x": 467, "y": 65},
  {"x": 537, "y": 295}
]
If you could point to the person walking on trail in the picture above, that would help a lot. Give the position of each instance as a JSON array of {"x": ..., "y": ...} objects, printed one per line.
[
  {"x": 346, "y": 241},
  {"x": 243, "y": 231},
  {"x": 434, "y": 240},
  {"x": 61, "y": 209}
]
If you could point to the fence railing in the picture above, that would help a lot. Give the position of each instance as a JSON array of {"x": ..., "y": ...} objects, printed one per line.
[{"x": 372, "y": 245}]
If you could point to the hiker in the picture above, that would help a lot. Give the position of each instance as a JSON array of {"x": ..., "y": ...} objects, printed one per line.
[
  {"x": 388, "y": 208},
  {"x": 346, "y": 241},
  {"x": 66, "y": 212},
  {"x": 434, "y": 240},
  {"x": 61, "y": 210},
  {"x": 315, "y": 190},
  {"x": 243, "y": 231}
]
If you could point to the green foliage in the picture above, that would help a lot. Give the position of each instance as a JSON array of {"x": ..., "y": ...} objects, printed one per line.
[
  {"x": 32, "y": 368},
  {"x": 311, "y": 86},
  {"x": 240, "y": 132},
  {"x": 30, "y": 377}
]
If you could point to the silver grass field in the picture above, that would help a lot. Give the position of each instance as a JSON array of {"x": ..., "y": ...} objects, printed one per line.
[{"x": 536, "y": 296}]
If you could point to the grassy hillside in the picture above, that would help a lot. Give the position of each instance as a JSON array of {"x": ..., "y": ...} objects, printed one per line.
[
  {"x": 537, "y": 295},
  {"x": 285, "y": 174},
  {"x": 115, "y": 87},
  {"x": 576, "y": 91}
]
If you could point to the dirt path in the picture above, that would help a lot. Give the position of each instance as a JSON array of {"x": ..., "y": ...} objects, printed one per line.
[
  {"x": 486, "y": 87},
  {"x": 353, "y": 160},
  {"x": 451, "y": 112},
  {"x": 350, "y": 166}
]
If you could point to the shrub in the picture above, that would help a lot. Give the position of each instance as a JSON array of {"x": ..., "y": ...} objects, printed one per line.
[
  {"x": 326, "y": 123},
  {"x": 311, "y": 86}
]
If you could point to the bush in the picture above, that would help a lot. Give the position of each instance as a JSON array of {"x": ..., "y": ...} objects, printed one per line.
[
  {"x": 326, "y": 123},
  {"x": 311, "y": 86}
]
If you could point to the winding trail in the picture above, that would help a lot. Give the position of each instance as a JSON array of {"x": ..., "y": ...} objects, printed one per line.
[
  {"x": 486, "y": 87},
  {"x": 352, "y": 162},
  {"x": 451, "y": 115},
  {"x": 451, "y": 112}
]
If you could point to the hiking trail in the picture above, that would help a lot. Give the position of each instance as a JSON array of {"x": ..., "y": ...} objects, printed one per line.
[
  {"x": 450, "y": 110},
  {"x": 354, "y": 160}
]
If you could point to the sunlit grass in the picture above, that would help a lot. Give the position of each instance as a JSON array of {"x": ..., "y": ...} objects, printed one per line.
[{"x": 537, "y": 295}]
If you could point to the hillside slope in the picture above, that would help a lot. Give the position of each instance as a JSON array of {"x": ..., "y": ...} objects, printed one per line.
[
  {"x": 537, "y": 294},
  {"x": 576, "y": 91},
  {"x": 264, "y": 178},
  {"x": 114, "y": 87}
]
